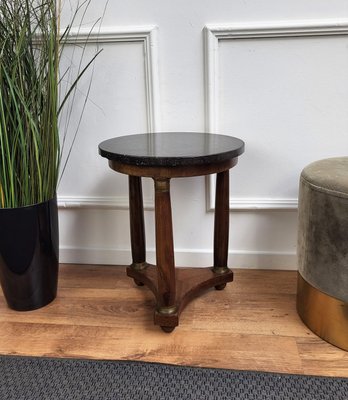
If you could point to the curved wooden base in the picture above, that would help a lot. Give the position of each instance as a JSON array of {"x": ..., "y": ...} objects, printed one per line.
[{"x": 190, "y": 282}]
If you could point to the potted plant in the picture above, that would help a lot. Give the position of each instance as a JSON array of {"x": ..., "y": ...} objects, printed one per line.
[{"x": 30, "y": 147}]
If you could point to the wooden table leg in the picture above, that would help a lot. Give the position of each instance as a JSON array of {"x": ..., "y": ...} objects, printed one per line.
[
  {"x": 166, "y": 313},
  {"x": 174, "y": 289},
  {"x": 221, "y": 225},
  {"x": 137, "y": 226}
]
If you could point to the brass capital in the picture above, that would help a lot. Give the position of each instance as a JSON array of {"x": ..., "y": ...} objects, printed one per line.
[{"x": 162, "y": 185}]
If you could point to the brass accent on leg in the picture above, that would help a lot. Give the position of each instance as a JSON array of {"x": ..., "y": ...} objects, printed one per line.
[
  {"x": 162, "y": 185},
  {"x": 325, "y": 315},
  {"x": 221, "y": 270},
  {"x": 167, "y": 310},
  {"x": 139, "y": 266}
]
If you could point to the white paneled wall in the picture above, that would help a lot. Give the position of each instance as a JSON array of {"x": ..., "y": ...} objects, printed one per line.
[
  {"x": 279, "y": 86},
  {"x": 272, "y": 73}
]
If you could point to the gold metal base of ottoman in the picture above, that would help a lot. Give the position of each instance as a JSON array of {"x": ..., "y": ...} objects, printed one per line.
[{"x": 325, "y": 315}]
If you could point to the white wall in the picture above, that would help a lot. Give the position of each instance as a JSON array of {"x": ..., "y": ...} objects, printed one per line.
[{"x": 274, "y": 73}]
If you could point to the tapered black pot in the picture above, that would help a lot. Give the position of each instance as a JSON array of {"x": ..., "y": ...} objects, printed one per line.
[{"x": 29, "y": 255}]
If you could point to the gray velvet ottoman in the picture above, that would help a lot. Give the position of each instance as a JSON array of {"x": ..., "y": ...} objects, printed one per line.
[{"x": 322, "y": 292}]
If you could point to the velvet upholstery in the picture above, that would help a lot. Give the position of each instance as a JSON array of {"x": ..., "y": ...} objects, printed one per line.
[{"x": 323, "y": 226}]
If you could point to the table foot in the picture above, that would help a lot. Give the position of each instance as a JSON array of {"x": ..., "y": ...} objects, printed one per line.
[
  {"x": 167, "y": 318},
  {"x": 221, "y": 271},
  {"x": 220, "y": 287},
  {"x": 167, "y": 329}
]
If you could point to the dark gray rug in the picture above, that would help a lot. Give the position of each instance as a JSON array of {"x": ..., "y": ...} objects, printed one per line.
[{"x": 27, "y": 378}]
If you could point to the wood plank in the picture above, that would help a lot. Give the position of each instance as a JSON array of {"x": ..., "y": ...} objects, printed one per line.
[
  {"x": 101, "y": 314},
  {"x": 321, "y": 358},
  {"x": 149, "y": 344}
]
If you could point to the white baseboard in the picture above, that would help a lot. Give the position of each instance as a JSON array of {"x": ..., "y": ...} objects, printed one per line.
[{"x": 183, "y": 257}]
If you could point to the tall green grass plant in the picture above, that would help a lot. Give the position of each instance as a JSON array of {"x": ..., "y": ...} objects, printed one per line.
[{"x": 31, "y": 48}]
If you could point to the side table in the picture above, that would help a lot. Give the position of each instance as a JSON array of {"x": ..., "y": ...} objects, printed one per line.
[{"x": 163, "y": 156}]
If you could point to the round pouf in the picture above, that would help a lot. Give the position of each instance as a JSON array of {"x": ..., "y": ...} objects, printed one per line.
[{"x": 322, "y": 291}]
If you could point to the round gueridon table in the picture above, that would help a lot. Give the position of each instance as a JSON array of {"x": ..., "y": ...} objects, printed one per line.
[{"x": 162, "y": 156}]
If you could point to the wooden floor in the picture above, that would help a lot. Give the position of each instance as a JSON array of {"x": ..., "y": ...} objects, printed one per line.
[{"x": 99, "y": 313}]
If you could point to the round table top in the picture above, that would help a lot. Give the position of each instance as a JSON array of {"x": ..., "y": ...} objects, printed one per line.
[{"x": 171, "y": 149}]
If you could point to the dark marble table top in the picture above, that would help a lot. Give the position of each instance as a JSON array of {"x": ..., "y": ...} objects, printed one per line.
[{"x": 169, "y": 149}]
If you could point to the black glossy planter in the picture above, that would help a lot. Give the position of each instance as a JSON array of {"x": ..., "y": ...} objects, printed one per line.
[{"x": 29, "y": 255}]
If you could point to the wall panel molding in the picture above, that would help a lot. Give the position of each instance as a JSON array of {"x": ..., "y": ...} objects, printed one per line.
[
  {"x": 99, "y": 203},
  {"x": 147, "y": 35},
  {"x": 213, "y": 35},
  {"x": 251, "y": 203},
  {"x": 276, "y": 260},
  {"x": 121, "y": 203}
]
